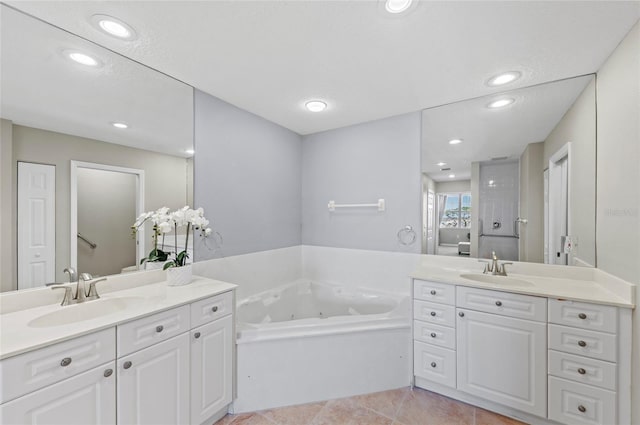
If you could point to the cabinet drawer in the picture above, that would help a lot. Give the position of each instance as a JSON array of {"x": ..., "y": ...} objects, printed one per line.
[
  {"x": 434, "y": 363},
  {"x": 434, "y": 334},
  {"x": 575, "y": 403},
  {"x": 36, "y": 369},
  {"x": 503, "y": 303},
  {"x": 583, "y": 369},
  {"x": 142, "y": 333},
  {"x": 583, "y": 342},
  {"x": 210, "y": 309},
  {"x": 435, "y": 292},
  {"x": 439, "y": 314},
  {"x": 594, "y": 317}
]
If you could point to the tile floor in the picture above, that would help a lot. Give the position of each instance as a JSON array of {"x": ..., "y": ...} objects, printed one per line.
[{"x": 396, "y": 407}]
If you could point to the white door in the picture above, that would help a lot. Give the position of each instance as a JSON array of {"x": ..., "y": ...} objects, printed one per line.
[
  {"x": 503, "y": 359},
  {"x": 36, "y": 224},
  {"x": 431, "y": 243},
  {"x": 546, "y": 256},
  {"x": 211, "y": 369},
  {"x": 558, "y": 209},
  {"x": 153, "y": 384},
  {"x": 88, "y": 398}
]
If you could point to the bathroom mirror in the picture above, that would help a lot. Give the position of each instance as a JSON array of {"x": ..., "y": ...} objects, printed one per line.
[
  {"x": 518, "y": 180},
  {"x": 56, "y": 111}
]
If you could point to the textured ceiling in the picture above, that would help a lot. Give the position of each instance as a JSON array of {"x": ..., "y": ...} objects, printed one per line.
[{"x": 268, "y": 57}]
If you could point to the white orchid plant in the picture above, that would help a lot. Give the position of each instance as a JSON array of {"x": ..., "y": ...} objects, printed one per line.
[{"x": 165, "y": 221}]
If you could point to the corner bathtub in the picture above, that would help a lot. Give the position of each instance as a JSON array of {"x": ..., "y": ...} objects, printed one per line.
[{"x": 307, "y": 341}]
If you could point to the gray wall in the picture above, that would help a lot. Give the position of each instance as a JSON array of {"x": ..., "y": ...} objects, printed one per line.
[
  {"x": 457, "y": 186},
  {"x": 247, "y": 179},
  {"x": 360, "y": 164},
  {"x": 8, "y": 273}
]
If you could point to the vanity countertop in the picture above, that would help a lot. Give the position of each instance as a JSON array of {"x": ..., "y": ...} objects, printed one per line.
[
  {"x": 16, "y": 336},
  {"x": 567, "y": 283}
]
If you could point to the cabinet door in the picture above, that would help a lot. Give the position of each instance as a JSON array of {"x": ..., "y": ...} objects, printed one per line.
[
  {"x": 88, "y": 398},
  {"x": 503, "y": 359},
  {"x": 153, "y": 384},
  {"x": 211, "y": 369}
]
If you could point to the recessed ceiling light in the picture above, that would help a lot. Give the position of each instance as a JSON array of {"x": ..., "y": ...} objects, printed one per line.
[
  {"x": 82, "y": 58},
  {"x": 491, "y": 182},
  {"x": 397, "y": 6},
  {"x": 501, "y": 103},
  {"x": 113, "y": 26},
  {"x": 505, "y": 78},
  {"x": 440, "y": 164},
  {"x": 455, "y": 141},
  {"x": 451, "y": 176},
  {"x": 316, "y": 105},
  {"x": 189, "y": 151},
  {"x": 120, "y": 125}
]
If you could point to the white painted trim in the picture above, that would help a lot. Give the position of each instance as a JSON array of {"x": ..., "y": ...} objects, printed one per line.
[
  {"x": 564, "y": 151},
  {"x": 73, "y": 195}
]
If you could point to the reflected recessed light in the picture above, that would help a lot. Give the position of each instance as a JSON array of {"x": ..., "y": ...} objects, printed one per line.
[
  {"x": 316, "y": 105},
  {"x": 189, "y": 151},
  {"x": 455, "y": 141},
  {"x": 120, "y": 125},
  {"x": 502, "y": 79},
  {"x": 501, "y": 103},
  {"x": 113, "y": 26},
  {"x": 82, "y": 58},
  {"x": 451, "y": 176},
  {"x": 440, "y": 164},
  {"x": 397, "y": 6},
  {"x": 491, "y": 182}
]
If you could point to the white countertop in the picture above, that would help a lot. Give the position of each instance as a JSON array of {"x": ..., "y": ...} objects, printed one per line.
[
  {"x": 16, "y": 336},
  {"x": 587, "y": 285}
]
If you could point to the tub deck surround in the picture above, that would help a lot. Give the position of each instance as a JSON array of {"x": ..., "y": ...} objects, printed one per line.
[
  {"x": 561, "y": 282},
  {"x": 17, "y": 337}
]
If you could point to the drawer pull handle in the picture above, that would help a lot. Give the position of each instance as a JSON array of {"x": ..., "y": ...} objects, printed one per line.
[
  {"x": 582, "y": 408},
  {"x": 581, "y": 371},
  {"x": 108, "y": 373},
  {"x": 461, "y": 314},
  {"x": 582, "y": 316},
  {"x": 433, "y": 292},
  {"x": 159, "y": 328},
  {"x": 582, "y": 343},
  {"x": 214, "y": 308},
  {"x": 433, "y": 334},
  {"x": 433, "y": 313},
  {"x": 65, "y": 362},
  {"x": 127, "y": 365},
  {"x": 196, "y": 335},
  {"x": 433, "y": 364},
  {"x": 498, "y": 303}
]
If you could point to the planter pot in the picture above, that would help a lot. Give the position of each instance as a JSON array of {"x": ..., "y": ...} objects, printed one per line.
[
  {"x": 153, "y": 265},
  {"x": 178, "y": 276}
]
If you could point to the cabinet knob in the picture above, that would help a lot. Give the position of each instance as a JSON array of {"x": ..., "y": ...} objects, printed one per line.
[
  {"x": 433, "y": 334},
  {"x": 433, "y": 313},
  {"x": 433, "y": 364},
  {"x": 433, "y": 292},
  {"x": 498, "y": 303},
  {"x": 461, "y": 314},
  {"x": 581, "y": 371},
  {"x": 65, "y": 362},
  {"x": 582, "y": 343},
  {"x": 214, "y": 308},
  {"x": 108, "y": 373},
  {"x": 127, "y": 365},
  {"x": 159, "y": 328},
  {"x": 196, "y": 335},
  {"x": 582, "y": 408},
  {"x": 582, "y": 316}
]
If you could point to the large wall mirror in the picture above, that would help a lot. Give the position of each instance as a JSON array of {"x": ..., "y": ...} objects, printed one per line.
[
  {"x": 513, "y": 173},
  {"x": 89, "y": 140}
]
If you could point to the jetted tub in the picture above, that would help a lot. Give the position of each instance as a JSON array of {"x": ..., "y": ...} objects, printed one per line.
[{"x": 308, "y": 341}]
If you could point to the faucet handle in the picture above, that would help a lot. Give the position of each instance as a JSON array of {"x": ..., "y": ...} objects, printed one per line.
[
  {"x": 86, "y": 276},
  {"x": 503, "y": 270},
  {"x": 93, "y": 292},
  {"x": 66, "y": 300}
]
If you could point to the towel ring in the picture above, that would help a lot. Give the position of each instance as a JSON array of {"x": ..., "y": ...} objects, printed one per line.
[{"x": 406, "y": 235}]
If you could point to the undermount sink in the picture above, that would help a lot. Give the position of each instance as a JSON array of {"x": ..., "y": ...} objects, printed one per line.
[
  {"x": 85, "y": 311},
  {"x": 496, "y": 279}
]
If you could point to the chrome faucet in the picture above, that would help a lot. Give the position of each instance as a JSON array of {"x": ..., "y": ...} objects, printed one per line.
[
  {"x": 495, "y": 267},
  {"x": 81, "y": 294}
]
